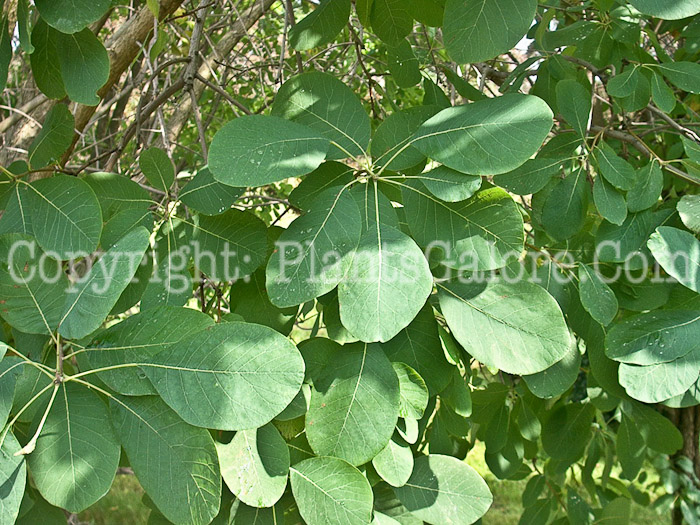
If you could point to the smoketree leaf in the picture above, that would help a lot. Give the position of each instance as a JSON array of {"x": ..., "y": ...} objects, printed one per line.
[{"x": 232, "y": 376}]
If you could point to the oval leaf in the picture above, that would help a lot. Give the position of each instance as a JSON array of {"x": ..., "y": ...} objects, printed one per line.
[
  {"x": 329, "y": 490},
  {"x": 354, "y": 405},
  {"x": 515, "y": 327},
  {"x": 232, "y": 376},
  {"x": 255, "y": 150},
  {"x": 443, "y": 489},
  {"x": 69, "y": 215},
  {"x": 175, "y": 463},
  {"x": 326, "y": 105},
  {"x": 470, "y": 138},
  {"x": 77, "y": 454},
  {"x": 255, "y": 465}
]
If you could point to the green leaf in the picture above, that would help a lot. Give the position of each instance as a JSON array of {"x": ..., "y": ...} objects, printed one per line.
[
  {"x": 391, "y": 20},
  {"x": 41, "y": 512},
  {"x": 117, "y": 194},
  {"x": 255, "y": 371},
  {"x": 231, "y": 245},
  {"x": 661, "y": 94},
  {"x": 524, "y": 319},
  {"x": 418, "y": 346},
  {"x": 482, "y": 233},
  {"x": 252, "y": 303},
  {"x": 558, "y": 378},
  {"x": 628, "y": 241},
  {"x": 171, "y": 284},
  {"x": 528, "y": 423},
  {"x": 565, "y": 207},
  {"x": 315, "y": 252},
  {"x": 54, "y": 138},
  {"x": 428, "y": 12},
  {"x": 574, "y": 103},
  {"x": 678, "y": 252},
  {"x": 617, "y": 511},
  {"x": 658, "y": 432},
  {"x": 329, "y": 490},
  {"x": 653, "y": 337},
  {"x": 391, "y": 147},
  {"x": 596, "y": 296},
  {"x": 10, "y": 368},
  {"x": 624, "y": 84},
  {"x": 531, "y": 177},
  {"x": 329, "y": 107},
  {"x": 46, "y": 68},
  {"x": 449, "y": 185},
  {"x": 84, "y": 64},
  {"x": 692, "y": 149},
  {"x": 154, "y": 7},
  {"x": 661, "y": 381},
  {"x": 647, "y": 190},
  {"x": 5, "y": 51},
  {"x": 137, "y": 339},
  {"x": 609, "y": 201},
  {"x": 639, "y": 97},
  {"x": 567, "y": 431},
  {"x": 394, "y": 463},
  {"x": 689, "y": 211},
  {"x": 683, "y": 75},
  {"x": 354, "y": 405},
  {"x": 255, "y": 465},
  {"x": 66, "y": 216},
  {"x": 13, "y": 477},
  {"x": 403, "y": 65},
  {"x": 327, "y": 175},
  {"x": 30, "y": 303},
  {"x": 372, "y": 201},
  {"x": 242, "y": 514},
  {"x": 443, "y": 489},
  {"x": 383, "y": 519},
  {"x": 205, "y": 195},
  {"x": 630, "y": 454},
  {"x": 317, "y": 353},
  {"x": 175, "y": 463},
  {"x": 321, "y": 26},
  {"x": 617, "y": 171},
  {"x": 77, "y": 454},
  {"x": 363, "y": 9},
  {"x": 672, "y": 10},
  {"x": 478, "y": 30},
  {"x": 124, "y": 222},
  {"x": 386, "y": 285},
  {"x": 89, "y": 301},
  {"x": 70, "y": 16},
  {"x": 435, "y": 96},
  {"x": 256, "y": 149},
  {"x": 413, "y": 392},
  {"x": 480, "y": 126},
  {"x": 458, "y": 395},
  {"x": 157, "y": 168}
]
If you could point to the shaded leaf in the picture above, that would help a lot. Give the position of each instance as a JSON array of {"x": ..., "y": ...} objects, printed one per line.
[
  {"x": 175, "y": 463},
  {"x": 354, "y": 405}
]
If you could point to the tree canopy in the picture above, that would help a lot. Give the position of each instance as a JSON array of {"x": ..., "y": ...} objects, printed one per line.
[{"x": 293, "y": 261}]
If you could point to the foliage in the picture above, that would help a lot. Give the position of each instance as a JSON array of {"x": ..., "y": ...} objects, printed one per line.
[{"x": 295, "y": 271}]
